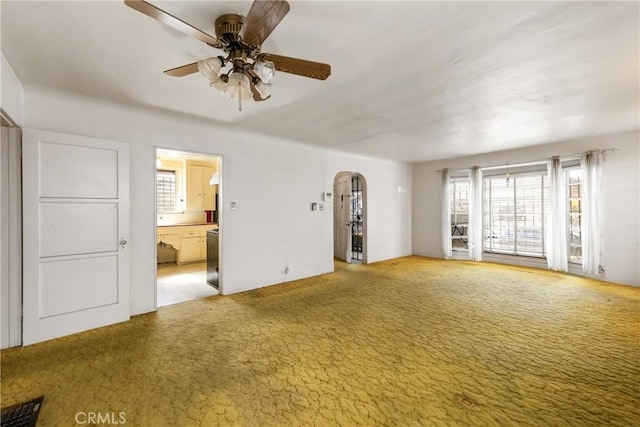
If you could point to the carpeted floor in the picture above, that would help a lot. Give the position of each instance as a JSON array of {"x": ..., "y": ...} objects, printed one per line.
[{"x": 412, "y": 341}]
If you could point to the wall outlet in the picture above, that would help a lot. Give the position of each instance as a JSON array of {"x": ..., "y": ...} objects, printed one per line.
[
  {"x": 320, "y": 206},
  {"x": 233, "y": 206}
]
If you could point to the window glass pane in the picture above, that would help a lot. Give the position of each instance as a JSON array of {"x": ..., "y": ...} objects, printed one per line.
[
  {"x": 166, "y": 191},
  {"x": 459, "y": 197},
  {"x": 574, "y": 191},
  {"x": 529, "y": 215},
  {"x": 514, "y": 213},
  {"x": 501, "y": 217}
]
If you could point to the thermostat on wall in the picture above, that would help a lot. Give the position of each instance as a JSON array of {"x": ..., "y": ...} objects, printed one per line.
[{"x": 327, "y": 197}]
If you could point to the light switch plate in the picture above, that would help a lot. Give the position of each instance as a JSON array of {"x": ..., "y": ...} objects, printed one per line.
[{"x": 327, "y": 197}]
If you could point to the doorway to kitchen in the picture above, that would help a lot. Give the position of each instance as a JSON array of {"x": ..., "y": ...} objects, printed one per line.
[
  {"x": 349, "y": 217},
  {"x": 187, "y": 223}
]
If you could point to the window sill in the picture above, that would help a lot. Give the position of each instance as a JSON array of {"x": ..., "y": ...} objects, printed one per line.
[
  {"x": 534, "y": 262},
  {"x": 521, "y": 260}
]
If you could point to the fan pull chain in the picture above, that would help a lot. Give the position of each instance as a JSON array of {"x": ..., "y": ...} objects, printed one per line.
[{"x": 239, "y": 96}]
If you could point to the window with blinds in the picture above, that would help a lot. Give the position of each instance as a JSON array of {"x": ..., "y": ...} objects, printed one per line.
[
  {"x": 514, "y": 213},
  {"x": 166, "y": 191}
]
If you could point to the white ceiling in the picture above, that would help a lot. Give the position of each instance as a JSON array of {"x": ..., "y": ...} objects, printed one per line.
[{"x": 410, "y": 81}]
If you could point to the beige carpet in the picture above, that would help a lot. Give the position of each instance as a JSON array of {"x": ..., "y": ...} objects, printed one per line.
[{"x": 412, "y": 341}]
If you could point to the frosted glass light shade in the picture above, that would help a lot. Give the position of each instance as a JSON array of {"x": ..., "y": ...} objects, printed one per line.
[
  {"x": 210, "y": 67},
  {"x": 238, "y": 86},
  {"x": 265, "y": 70},
  {"x": 219, "y": 85},
  {"x": 263, "y": 89}
]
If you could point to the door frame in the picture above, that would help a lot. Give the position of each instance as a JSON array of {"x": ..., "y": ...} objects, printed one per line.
[
  {"x": 218, "y": 208},
  {"x": 365, "y": 214},
  {"x": 11, "y": 230}
]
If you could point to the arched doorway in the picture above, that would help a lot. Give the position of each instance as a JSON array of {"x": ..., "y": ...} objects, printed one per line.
[{"x": 350, "y": 217}]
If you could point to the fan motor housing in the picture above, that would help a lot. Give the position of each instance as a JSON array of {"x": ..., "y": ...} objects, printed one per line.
[{"x": 228, "y": 26}]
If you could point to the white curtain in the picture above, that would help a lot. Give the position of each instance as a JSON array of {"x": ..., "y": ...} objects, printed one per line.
[
  {"x": 446, "y": 213},
  {"x": 556, "y": 238},
  {"x": 476, "y": 241},
  {"x": 591, "y": 229}
]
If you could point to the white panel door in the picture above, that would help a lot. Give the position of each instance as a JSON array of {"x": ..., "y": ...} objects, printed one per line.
[
  {"x": 76, "y": 227},
  {"x": 342, "y": 226}
]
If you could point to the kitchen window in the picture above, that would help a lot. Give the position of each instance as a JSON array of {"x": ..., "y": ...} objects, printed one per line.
[{"x": 166, "y": 191}]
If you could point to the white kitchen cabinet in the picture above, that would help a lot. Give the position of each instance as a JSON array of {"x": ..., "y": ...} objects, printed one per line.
[
  {"x": 170, "y": 239},
  {"x": 191, "y": 249},
  {"x": 200, "y": 195},
  {"x": 189, "y": 240}
]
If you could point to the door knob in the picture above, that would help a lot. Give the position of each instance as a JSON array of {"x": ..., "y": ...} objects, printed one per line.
[{"x": 123, "y": 242}]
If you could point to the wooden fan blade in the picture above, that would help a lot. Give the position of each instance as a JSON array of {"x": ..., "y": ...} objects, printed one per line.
[
  {"x": 182, "y": 71},
  {"x": 173, "y": 22},
  {"x": 262, "y": 19},
  {"x": 301, "y": 67}
]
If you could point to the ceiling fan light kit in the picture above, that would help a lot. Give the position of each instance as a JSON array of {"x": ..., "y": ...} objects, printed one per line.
[
  {"x": 238, "y": 86},
  {"x": 210, "y": 67},
  {"x": 219, "y": 85},
  {"x": 264, "y": 89},
  {"x": 245, "y": 72},
  {"x": 265, "y": 70}
]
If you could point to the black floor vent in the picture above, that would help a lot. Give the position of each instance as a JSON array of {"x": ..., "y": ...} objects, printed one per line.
[{"x": 21, "y": 415}]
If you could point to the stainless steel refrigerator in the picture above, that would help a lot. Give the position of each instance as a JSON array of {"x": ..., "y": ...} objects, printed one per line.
[{"x": 212, "y": 258}]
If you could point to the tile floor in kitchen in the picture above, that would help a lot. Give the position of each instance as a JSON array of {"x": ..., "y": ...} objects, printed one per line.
[{"x": 180, "y": 283}]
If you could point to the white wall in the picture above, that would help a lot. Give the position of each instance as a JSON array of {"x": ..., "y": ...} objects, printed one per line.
[
  {"x": 11, "y": 93},
  {"x": 621, "y": 192},
  {"x": 272, "y": 181}
]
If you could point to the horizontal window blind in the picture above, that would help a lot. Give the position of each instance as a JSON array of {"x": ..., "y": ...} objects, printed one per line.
[{"x": 514, "y": 213}]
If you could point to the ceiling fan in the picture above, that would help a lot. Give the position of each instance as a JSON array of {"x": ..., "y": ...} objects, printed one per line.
[{"x": 245, "y": 72}]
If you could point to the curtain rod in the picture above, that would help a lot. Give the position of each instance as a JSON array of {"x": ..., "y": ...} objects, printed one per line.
[{"x": 534, "y": 163}]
